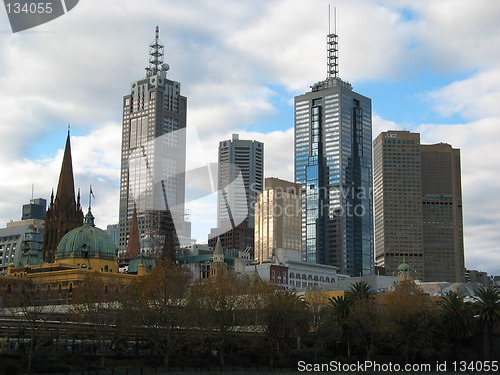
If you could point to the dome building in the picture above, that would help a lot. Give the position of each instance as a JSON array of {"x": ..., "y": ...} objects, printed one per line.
[{"x": 88, "y": 247}]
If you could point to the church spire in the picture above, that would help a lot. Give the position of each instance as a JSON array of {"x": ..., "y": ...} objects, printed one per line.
[
  {"x": 133, "y": 246},
  {"x": 63, "y": 213},
  {"x": 66, "y": 187},
  {"x": 155, "y": 55}
]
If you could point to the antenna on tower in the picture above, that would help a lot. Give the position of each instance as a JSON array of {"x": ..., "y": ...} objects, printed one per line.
[
  {"x": 155, "y": 55},
  {"x": 332, "y": 46}
]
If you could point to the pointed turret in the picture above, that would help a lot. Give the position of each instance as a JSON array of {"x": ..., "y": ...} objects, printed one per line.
[
  {"x": 63, "y": 213},
  {"x": 133, "y": 246}
]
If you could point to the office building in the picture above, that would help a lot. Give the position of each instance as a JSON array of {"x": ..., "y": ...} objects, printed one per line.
[
  {"x": 240, "y": 179},
  {"x": 35, "y": 209},
  {"x": 154, "y": 157},
  {"x": 21, "y": 243},
  {"x": 418, "y": 207},
  {"x": 333, "y": 163},
  {"x": 398, "y": 202},
  {"x": 442, "y": 213},
  {"x": 277, "y": 218}
]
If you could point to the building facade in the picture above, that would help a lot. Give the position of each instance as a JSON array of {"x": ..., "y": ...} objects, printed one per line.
[
  {"x": 153, "y": 155},
  {"x": 333, "y": 163},
  {"x": 35, "y": 209},
  {"x": 277, "y": 218},
  {"x": 240, "y": 179},
  {"x": 418, "y": 207},
  {"x": 398, "y": 202}
]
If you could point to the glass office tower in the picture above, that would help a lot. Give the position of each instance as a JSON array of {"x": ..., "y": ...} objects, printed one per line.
[{"x": 333, "y": 163}]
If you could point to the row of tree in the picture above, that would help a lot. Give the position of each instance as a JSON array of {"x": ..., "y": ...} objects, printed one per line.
[{"x": 229, "y": 317}]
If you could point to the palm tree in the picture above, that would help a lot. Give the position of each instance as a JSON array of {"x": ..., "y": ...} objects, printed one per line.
[
  {"x": 337, "y": 319},
  {"x": 487, "y": 308},
  {"x": 360, "y": 291},
  {"x": 457, "y": 317}
]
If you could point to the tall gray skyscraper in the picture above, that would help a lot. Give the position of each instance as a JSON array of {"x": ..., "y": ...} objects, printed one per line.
[
  {"x": 333, "y": 163},
  {"x": 245, "y": 158},
  {"x": 153, "y": 155},
  {"x": 240, "y": 179}
]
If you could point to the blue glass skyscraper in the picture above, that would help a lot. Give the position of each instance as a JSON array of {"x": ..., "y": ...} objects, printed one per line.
[{"x": 333, "y": 163}]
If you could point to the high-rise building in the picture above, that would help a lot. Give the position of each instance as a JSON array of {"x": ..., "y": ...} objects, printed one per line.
[
  {"x": 277, "y": 218},
  {"x": 333, "y": 163},
  {"x": 398, "y": 202},
  {"x": 35, "y": 209},
  {"x": 442, "y": 213},
  {"x": 418, "y": 207},
  {"x": 154, "y": 156},
  {"x": 64, "y": 213},
  {"x": 240, "y": 161},
  {"x": 240, "y": 179}
]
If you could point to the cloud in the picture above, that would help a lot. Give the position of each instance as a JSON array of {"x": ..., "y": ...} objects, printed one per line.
[{"x": 475, "y": 97}]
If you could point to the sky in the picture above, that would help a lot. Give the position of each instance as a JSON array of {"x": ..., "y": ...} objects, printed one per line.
[{"x": 429, "y": 66}]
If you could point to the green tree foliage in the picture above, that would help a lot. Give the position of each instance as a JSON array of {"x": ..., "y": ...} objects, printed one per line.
[
  {"x": 457, "y": 319},
  {"x": 487, "y": 307}
]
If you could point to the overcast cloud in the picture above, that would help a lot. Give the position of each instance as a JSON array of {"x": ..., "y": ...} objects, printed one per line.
[{"x": 240, "y": 63}]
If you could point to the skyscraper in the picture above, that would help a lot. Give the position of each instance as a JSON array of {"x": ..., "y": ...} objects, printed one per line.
[
  {"x": 333, "y": 163},
  {"x": 240, "y": 179},
  {"x": 398, "y": 202},
  {"x": 239, "y": 157},
  {"x": 277, "y": 218},
  {"x": 418, "y": 207},
  {"x": 154, "y": 156},
  {"x": 35, "y": 209}
]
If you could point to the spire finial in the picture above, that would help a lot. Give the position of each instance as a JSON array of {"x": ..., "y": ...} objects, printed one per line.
[
  {"x": 332, "y": 47},
  {"x": 69, "y": 128},
  {"x": 155, "y": 55}
]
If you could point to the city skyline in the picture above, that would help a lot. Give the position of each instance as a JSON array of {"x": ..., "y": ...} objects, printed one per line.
[{"x": 437, "y": 75}]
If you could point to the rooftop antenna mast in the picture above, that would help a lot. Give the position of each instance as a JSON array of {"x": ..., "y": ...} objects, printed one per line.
[
  {"x": 155, "y": 55},
  {"x": 332, "y": 46}
]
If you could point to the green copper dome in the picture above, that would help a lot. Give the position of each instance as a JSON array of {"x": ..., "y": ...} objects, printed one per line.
[
  {"x": 149, "y": 263},
  {"x": 30, "y": 258},
  {"x": 86, "y": 242},
  {"x": 404, "y": 267}
]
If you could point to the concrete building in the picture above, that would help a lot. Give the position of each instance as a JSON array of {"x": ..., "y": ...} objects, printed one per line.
[
  {"x": 277, "y": 218},
  {"x": 240, "y": 179},
  {"x": 288, "y": 270},
  {"x": 153, "y": 155},
  {"x": 35, "y": 209},
  {"x": 333, "y": 163},
  {"x": 418, "y": 207},
  {"x": 21, "y": 239}
]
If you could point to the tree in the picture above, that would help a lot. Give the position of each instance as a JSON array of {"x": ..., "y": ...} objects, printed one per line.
[
  {"x": 337, "y": 321},
  {"x": 286, "y": 320},
  {"x": 154, "y": 303},
  {"x": 412, "y": 322},
  {"x": 316, "y": 301},
  {"x": 213, "y": 307},
  {"x": 457, "y": 318},
  {"x": 487, "y": 307},
  {"x": 32, "y": 310},
  {"x": 91, "y": 305}
]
